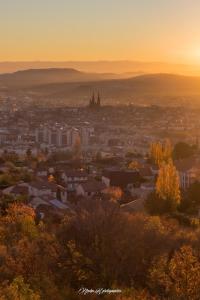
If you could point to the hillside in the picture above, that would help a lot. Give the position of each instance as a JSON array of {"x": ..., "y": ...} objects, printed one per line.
[
  {"x": 33, "y": 77},
  {"x": 73, "y": 87},
  {"x": 156, "y": 84}
]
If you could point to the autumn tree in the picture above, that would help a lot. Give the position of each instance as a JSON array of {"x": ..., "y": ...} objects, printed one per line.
[
  {"x": 167, "y": 150},
  {"x": 134, "y": 165},
  {"x": 114, "y": 193},
  {"x": 160, "y": 152},
  {"x": 168, "y": 186},
  {"x": 18, "y": 290},
  {"x": 177, "y": 277},
  {"x": 156, "y": 152},
  {"x": 166, "y": 197}
]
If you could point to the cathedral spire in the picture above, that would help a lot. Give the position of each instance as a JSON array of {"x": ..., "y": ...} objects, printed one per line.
[
  {"x": 93, "y": 99},
  {"x": 98, "y": 100}
]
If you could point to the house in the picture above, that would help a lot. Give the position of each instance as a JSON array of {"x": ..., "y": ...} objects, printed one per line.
[
  {"x": 133, "y": 206},
  {"x": 125, "y": 179},
  {"x": 155, "y": 169},
  {"x": 189, "y": 171},
  {"x": 45, "y": 188},
  {"x": 47, "y": 205},
  {"x": 148, "y": 186},
  {"x": 59, "y": 205},
  {"x": 41, "y": 188},
  {"x": 90, "y": 188},
  {"x": 49, "y": 208},
  {"x": 37, "y": 201},
  {"x": 73, "y": 178},
  {"x": 21, "y": 189},
  {"x": 144, "y": 190},
  {"x": 61, "y": 193},
  {"x": 42, "y": 171},
  {"x": 146, "y": 173}
]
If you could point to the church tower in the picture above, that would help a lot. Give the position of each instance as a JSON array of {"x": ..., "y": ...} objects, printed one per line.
[
  {"x": 98, "y": 100},
  {"x": 95, "y": 102}
]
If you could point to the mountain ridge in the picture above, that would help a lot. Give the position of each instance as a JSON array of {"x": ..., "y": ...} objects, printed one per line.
[
  {"x": 105, "y": 66},
  {"x": 30, "y": 77}
]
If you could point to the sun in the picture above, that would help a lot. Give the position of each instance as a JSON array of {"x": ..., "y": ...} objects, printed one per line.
[{"x": 194, "y": 55}]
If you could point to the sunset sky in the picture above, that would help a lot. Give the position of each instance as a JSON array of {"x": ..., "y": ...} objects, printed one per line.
[{"x": 61, "y": 30}]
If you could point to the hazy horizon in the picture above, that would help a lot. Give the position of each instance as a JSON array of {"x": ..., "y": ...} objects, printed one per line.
[{"x": 106, "y": 66}]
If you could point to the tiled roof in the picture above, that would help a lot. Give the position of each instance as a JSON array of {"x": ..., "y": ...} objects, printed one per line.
[
  {"x": 59, "y": 204},
  {"x": 43, "y": 185},
  {"x": 146, "y": 171},
  {"x": 122, "y": 178},
  {"x": 93, "y": 186},
  {"x": 19, "y": 189},
  {"x": 75, "y": 173}
]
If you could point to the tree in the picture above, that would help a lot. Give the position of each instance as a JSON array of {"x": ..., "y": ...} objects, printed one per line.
[
  {"x": 5, "y": 201},
  {"x": 177, "y": 277},
  {"x": 51, "y": 178},
  {"x": 167, "y": 150},
  {"x": 114, "y": 193},
  {"x": 156, "y": 152},
  {"x": 134, "y": 165},
  {"x": 154, "y": 205},
  {"x": 183, "y": 150},
  {"x": 191, "y": 200},
  {"x": 18, "y": 290},
  {"x": 168, "y": 186},
  {"x": 160, "y": 152},
  {"x": 166, "y": 197}
]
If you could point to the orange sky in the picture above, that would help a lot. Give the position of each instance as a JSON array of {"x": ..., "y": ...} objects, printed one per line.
[{"x": 147, "y": 30}]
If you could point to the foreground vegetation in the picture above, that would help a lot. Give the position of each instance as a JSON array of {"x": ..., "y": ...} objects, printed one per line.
[{"x": 97, "y": 247}]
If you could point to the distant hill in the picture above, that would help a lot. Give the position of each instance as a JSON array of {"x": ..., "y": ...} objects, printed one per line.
[
  {"x": 74, "y": 87},
  {"x": 33, "y": 77},
  {"x": 155, "y": 84},
  {"x": 116, "y": 67}
]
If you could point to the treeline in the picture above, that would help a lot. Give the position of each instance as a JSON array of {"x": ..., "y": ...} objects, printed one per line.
[{"x": 99, "y": 246}]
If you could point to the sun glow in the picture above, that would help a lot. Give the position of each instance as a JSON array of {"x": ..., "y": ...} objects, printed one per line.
[
  {"x": 192, "y": 55},
  {"x": 196, "y": 55}
]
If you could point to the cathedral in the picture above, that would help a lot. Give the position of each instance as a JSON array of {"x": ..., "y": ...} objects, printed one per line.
[{"x": 95, "y": 102}]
